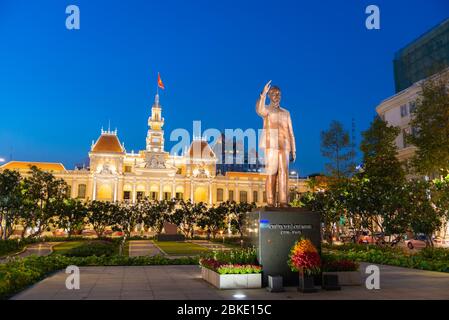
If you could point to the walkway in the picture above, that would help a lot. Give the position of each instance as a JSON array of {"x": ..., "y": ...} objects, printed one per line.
[
  {"x": 37, "y": 249},
  {"x": 142, "y": 248},
  {"x": 185, "y": 283}
]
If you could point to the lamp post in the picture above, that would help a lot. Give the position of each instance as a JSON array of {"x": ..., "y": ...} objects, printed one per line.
[{"x": 2, "y": 160}]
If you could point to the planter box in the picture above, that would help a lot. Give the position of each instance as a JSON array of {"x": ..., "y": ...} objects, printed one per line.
[
  {"x": 232, "y": 281},
  {"x": 347, "y": 278}
]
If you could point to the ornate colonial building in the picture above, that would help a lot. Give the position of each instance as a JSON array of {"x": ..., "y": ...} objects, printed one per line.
[{"x": 116, "y": 175}]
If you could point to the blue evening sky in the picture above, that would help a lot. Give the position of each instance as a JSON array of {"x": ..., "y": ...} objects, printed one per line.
[{"x": 59, "y": 87}]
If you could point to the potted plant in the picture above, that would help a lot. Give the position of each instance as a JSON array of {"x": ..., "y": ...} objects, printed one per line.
[
  {"x": 346, "y": 270},
  {"x": 304, "y": 258}
]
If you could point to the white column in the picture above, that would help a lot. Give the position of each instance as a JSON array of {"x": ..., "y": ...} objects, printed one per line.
[
  {"x": 94, "y": 189},
  {"x": 210, "y": 192},
  {"x": 191, "y": 191},
  {"x": 115, "y": 189},
  {"x": 72, "y": 189},
  {"x": 236, "y": 193},
  {"x": 226, "y": 193},
  {"x": 173, "y": 189},
  {"x": 160, "y": 190},
  {"x": 134, "y": 192}
]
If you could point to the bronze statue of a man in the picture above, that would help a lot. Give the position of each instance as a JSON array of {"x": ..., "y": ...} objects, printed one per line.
[{"x": 278, "y": 141}]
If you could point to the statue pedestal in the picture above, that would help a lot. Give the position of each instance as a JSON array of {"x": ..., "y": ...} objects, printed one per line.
[
  {"x": 170, "y": 233},
  {"x": 274, "y": 231}
]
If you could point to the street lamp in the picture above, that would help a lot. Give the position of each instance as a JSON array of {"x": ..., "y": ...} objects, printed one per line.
[{"x": 2, "y": 160}]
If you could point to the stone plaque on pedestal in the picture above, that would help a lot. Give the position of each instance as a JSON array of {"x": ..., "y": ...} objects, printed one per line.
[
  {"x": 170, "y": 233},
  {"x": 274, "y": 231}
]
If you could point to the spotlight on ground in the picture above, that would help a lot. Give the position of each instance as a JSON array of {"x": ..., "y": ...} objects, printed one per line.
[{"x": 239, "y": 296}]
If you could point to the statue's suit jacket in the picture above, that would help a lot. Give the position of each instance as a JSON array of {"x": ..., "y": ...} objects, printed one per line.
[{"x": 275, "y": 118}]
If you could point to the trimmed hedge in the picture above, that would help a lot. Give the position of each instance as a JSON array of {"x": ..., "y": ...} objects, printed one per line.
[
  {"x": 18, "y": 274},
  {"x": 432, "y": 259},
  {"x": 11, "y": 246}
]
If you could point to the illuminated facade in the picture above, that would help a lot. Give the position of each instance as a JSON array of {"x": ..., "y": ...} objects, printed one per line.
[{"x": 116, "y": 175}]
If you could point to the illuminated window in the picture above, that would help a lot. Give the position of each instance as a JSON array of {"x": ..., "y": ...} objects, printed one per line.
[
  {"x": 127, "y": 169},
  {"x": 404, "y": 111},
  {"x": 179, "y": 195},
  {"x": 153, "y": 195},
  {"x": 167, "y": 195},
  {"x": 255, "y": 196},
  {"x": 81, "y": 191},
  {"x": 140, "y": 195},
  {"x": 126, "y": 195},
  {"x": 231, "y": 195},
  {"x": 243, "y": 196},
  {"x": 219, "y": 194}
]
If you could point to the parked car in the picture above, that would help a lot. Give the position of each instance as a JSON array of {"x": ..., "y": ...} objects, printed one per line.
[
  {"x": 417, "y": 242},
  {"x": 376, "y": 238},
  {"x": 59, "y": 233},
  {"x": 441, "y": 243}
]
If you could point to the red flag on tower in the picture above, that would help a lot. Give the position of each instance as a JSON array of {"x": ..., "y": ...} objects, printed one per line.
[{"x": 160, "y": 84}]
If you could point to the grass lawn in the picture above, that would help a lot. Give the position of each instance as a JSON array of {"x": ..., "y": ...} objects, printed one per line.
[
  {"x": 64, "y": 247},
  {"x": 180, "y": 248}
]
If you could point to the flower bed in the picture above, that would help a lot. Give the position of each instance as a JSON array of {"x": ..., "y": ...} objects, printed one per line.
[
  {"x": 236, "y": 269},
  {"x": 346, "y": 270}
]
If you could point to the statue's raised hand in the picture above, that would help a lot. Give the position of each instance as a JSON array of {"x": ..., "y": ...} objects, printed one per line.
[{"x": 266, "y": 88}]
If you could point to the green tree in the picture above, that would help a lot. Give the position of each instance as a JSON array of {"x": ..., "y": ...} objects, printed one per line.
[
  {"x": 158, "y": 212},
  {"x": 72, "y": 216},
  {"x": 430, "y": 121},
  {"x": 337, "y": 147},
  {"x": 187, "y": 214},
  {"x": 237, "y": 213},
  {"x": 43, "y": 196},
  {"x": 441, "y": 197},
  {"x": 383, "y": 178},
  {"x": 11, "y": 202},
  {"x": 425, "y": 217},
  {"x": 101, "y": 215},
  {"x": 213, "y": 220},
  {"x": 127, "y": 216}
]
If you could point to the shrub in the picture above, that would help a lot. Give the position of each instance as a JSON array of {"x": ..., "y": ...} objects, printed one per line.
[
  {"x": 235, "y": 256},
  {"x": 239, "y": 269},
  {"x": 332, "y": 264},
  {"x": 433, "y": 259},
  {"x": 93, "y": 248}
]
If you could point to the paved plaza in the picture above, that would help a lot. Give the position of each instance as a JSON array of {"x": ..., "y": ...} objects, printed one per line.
[
  {"x": 185, "y": 283},
  {"x": 139, "y": 248}
]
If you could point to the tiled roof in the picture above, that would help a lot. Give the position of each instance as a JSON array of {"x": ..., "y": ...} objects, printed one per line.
[
  {"x": 26, "y": 165},
  {"x": 200, "y": 149},
  {"x": 108, "y": 143}
]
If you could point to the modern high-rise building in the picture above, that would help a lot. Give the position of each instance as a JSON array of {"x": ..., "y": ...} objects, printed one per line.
[{"x": 425, "y": 56}]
